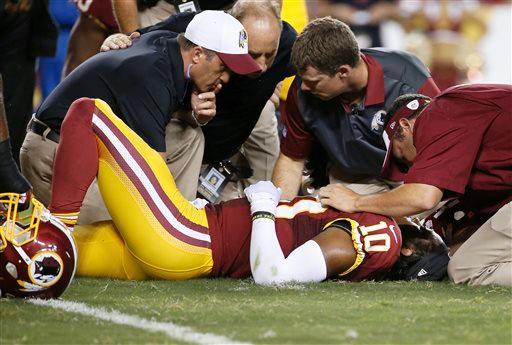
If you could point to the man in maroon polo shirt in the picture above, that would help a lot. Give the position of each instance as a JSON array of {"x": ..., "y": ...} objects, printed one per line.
[
  {"x": 337, "y": 104},
  {"x": 456, "y": 145}
]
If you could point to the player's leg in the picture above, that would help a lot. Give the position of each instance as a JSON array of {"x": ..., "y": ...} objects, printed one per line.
[
  {"x": 167, "y": 235},
  {"x": 76, "y": 162},
  {"x": 73, "y": 177},
  {"x": 36, "y": 158},
  {"x": 103, "y": 253},
  {"x": 486, "y": 257}
]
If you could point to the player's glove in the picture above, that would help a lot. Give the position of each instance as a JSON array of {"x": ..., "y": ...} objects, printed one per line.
[{"x": 263, "y": 196}]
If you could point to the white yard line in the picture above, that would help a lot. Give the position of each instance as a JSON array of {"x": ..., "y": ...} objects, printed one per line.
[{"x": 172, "y": 330}]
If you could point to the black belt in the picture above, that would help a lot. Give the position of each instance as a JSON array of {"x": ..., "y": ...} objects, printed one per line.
[{"x": 43, "y": 130}]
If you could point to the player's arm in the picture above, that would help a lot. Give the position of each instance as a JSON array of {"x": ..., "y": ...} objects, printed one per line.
[
  {"x": 287, "y": 175},
  {"x": 268, "y": 264},
  {"x": 329, "y": 254},
  {"x": 337, "y": 249},
  {"x": 127, "y": 15}
]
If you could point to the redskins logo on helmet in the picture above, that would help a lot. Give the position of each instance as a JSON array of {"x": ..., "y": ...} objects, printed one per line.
[{"x": 37, "y": 252}]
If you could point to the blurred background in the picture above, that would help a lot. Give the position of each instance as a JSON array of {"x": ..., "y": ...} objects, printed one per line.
[{"x": 460, "y": 40}]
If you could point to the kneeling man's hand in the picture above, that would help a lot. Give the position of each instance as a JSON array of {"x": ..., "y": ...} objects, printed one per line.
[
  {"x": 339, "y": 197},
  {"x": 203, "y": 106}
]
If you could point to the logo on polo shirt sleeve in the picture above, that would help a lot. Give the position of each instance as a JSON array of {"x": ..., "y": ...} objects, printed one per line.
[{"x": 378, "y": 120}]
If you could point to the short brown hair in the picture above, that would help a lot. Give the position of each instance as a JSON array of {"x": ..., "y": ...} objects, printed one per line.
[{"x": 325, "y": 44}]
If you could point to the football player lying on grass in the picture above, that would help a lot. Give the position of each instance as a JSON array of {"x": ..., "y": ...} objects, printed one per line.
[{"x": 159, "y": 234}]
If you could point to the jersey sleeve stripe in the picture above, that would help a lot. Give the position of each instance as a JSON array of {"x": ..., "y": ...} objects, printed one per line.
[{"x": 290, "y": 210}]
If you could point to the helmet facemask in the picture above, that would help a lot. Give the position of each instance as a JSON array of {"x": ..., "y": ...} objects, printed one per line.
[{"x": 17, "y": 226}]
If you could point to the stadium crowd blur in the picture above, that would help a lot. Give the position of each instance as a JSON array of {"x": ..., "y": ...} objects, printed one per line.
[
  {"x": 457, "y": 40},
  {"x": 451, "y": 37},
  {"x": 42, "y": 41}
]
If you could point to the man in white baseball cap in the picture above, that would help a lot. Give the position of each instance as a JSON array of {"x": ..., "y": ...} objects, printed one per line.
[
  {"x": 162, "y": 74},
  {"x": 213, "y": 45}
]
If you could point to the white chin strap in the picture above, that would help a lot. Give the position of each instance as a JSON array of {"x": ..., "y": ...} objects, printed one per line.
[{"x": 23, "y": 254}]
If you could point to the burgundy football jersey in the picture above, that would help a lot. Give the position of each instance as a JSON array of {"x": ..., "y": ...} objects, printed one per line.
[
  {"x": 377, "y": 239},
  {"x": 101, "y": 10}
]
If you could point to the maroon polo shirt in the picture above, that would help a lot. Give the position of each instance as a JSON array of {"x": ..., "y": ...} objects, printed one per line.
[
  {"x": 298, "y": 141},
  {"x": 463, "y": 141},
  {"x": 351, "y": 134}
]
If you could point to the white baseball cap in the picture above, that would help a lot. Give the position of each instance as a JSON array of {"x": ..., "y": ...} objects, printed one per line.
[{"x": 226, "y": 36}]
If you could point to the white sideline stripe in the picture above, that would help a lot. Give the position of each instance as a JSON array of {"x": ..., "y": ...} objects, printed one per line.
[
  {"x": 177, "y": 332},
  {"x": 134, "y": 166}
]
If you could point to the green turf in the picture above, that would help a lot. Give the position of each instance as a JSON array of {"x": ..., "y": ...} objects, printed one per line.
[{"x": 327, "y": 313}]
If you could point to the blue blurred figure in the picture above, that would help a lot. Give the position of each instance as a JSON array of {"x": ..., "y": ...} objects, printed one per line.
[{"x": 65, "y": 14}]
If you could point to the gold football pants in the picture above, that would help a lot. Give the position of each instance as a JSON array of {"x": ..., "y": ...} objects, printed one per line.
[{"x": 160, "y": 234}]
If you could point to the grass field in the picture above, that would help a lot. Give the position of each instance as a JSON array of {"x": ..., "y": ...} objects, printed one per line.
[{"x": 206, "y": 311}]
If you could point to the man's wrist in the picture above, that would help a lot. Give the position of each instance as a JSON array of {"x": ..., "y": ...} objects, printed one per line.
[
  {"x": 357, "y": 204},
  {"x": 196, "y": 120}
]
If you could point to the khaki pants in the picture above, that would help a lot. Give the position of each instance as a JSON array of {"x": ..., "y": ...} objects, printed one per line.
[
  {"x": 36, "y": 158},
  {"x": 186, "y": 146},
  {"x": 486, "y": 257},
  {"x": 185, "y": 149},
  {"x": 261, "y": 150},
  {"x": 362, "y": 186},
  {"x": 161, "y": 11}
]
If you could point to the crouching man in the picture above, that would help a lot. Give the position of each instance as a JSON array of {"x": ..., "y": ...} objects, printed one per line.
[{"x": 455, "y": 145}]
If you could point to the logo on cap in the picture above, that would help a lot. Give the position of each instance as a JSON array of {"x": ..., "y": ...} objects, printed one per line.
[
  {"x": 242, "y": 38},
  {"x": 413, "y": 105},
  {"x": 392, "y": 125}
]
